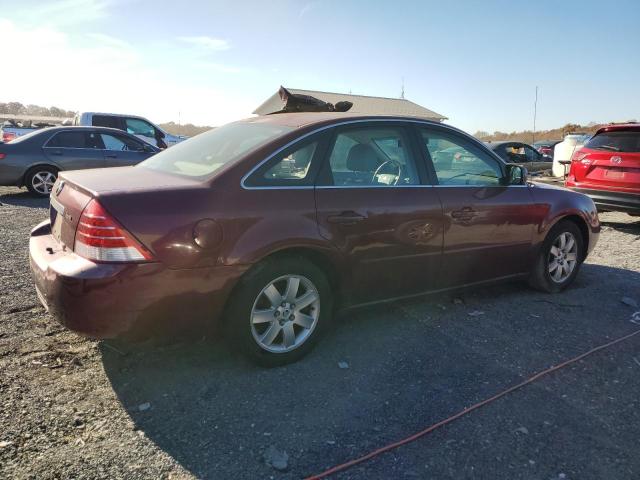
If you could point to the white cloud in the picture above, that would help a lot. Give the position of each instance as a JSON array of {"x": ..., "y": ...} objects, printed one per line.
[
  {"x": 63, "y": 12},
  {"x": 97, "y": 72},
  {"x": 208, "y": 43}
]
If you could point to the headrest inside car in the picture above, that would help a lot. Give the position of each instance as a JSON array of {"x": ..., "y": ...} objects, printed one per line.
[{"x": 362, "y": 158}]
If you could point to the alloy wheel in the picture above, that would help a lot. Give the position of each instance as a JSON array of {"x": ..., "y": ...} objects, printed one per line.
[
  {"x": 285, "y": 313},
  {"x": 563, "y": 257},
  {"x": 42, "y": 182}
]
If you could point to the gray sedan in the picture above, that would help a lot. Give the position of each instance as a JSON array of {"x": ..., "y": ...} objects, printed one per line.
[{"x": 34, "y": 160}]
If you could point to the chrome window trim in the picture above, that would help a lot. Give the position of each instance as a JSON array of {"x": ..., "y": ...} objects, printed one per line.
[{"x": 350, "y": 122}]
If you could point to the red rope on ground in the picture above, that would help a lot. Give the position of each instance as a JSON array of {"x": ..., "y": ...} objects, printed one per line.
[{"x": 415, "y": 436}]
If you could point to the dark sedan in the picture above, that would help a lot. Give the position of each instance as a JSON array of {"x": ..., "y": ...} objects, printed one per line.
[
  {"x": 522, "y": 154},
  {"x": 270, "y": 223},
  {"x": 35, "y": 159}
]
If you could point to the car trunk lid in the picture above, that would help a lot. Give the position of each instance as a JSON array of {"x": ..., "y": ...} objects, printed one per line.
[
  {"x": 73, "y": 191},
  {"x": 611, "y": 169}
]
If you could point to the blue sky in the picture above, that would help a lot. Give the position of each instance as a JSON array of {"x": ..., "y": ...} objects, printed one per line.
[{"x": 476, "y": 62}]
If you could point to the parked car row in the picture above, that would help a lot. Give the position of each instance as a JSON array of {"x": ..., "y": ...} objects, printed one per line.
[
  {"x": 34, "y": 160},
  {"x": 268, "y": 224}
]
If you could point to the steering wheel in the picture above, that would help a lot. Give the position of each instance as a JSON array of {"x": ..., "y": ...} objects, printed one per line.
[{"x": 392, "y": 162}]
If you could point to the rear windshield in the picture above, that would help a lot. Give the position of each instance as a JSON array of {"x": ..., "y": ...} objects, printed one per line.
[
  {"x": 202, "y": 155},
  {"x": 620, "y": 141}
]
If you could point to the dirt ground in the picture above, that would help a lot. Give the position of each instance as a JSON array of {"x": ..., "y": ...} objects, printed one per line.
[{"x": 76, "y": 408}]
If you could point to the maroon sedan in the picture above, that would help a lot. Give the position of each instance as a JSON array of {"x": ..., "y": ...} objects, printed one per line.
[{"x": 270, "y": 223}]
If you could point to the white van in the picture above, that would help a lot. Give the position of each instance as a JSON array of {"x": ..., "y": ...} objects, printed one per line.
[
  {"x": 138, "y": 126},
  {"x": 563, "y": 151}
]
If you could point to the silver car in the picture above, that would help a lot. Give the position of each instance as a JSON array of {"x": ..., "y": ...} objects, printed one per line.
[{"x": 34, "y": 160}]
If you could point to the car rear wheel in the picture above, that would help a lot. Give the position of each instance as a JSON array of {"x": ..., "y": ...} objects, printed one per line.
[
  {"x": 279, "y": 310},
  {"x": 559, "y": 259},
  {"x": 40, "y": 180}
]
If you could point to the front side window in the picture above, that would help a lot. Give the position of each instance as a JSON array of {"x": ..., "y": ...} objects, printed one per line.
[
  {"x": 77, "y": 139},
  {"x": 120, "y": 143},
  {"x": 135, "y": 126},
  {"x": 458, "y": 162},
  {"x": 372, "y": 156},
  {"x": 204, "y": 154}
]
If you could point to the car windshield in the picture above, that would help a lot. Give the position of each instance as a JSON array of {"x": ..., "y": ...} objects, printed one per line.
[
  {"x": 616, "y": 141},
  {"x": 202, "y": 155}
]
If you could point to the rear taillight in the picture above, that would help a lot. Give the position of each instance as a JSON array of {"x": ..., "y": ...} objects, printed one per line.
[
  {"x": 99, "y": 237},
  {"x": 8, "y": 136},
  {"x": 2, "y": 155},
  {"x": 580, "y": 157}
]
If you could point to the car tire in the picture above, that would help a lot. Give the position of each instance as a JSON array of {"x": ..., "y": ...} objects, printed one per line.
[
  {"x": 559, "y": 259},
  {"x": 263, "y": 320},
  {"x": 39, "y": 180}
]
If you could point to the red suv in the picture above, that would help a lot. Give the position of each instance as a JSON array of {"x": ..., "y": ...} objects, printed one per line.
[{"x": 607, "y": 169}]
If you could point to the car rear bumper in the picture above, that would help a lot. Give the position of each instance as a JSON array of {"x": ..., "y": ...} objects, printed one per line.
[
  {"x": 612, "y": 200},
  {"x": 106, "y": 300}
]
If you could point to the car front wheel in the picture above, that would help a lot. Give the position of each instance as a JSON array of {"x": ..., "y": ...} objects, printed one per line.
[
  {"x": 279, "y": 310},
  {"x": 559, "y": 259}
]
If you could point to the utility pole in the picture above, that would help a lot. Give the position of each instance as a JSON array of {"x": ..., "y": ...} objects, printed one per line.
[{"x": 535, "y": 111}]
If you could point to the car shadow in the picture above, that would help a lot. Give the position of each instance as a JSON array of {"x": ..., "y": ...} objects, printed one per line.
[
  {"x": 632, "y": 227},
  {"x": 22, "y": 198},
  {"x": 367, "y": 383}
]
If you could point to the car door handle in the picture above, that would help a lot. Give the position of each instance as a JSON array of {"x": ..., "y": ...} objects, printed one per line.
[
  {"x": 110, "y": 155},
  {"x": 346, "y": 218},
  {"x": 465, "y": 213}
]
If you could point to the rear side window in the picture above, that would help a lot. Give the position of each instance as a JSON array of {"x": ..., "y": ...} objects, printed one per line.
[
  {"x": 107, "y": 121},
  {"x": 74, "y": 140},
  {"x": 617, "y": 141}
]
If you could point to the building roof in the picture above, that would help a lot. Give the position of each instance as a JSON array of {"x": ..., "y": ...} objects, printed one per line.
[{"x": 362, "y": 104}]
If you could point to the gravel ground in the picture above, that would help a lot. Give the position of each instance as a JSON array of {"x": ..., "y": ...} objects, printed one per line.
[{"x": 75, "y": 408}]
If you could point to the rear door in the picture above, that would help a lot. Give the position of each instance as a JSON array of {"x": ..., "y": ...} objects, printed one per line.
[
  {"x": 375, "y": 205},
  {"x": 143, "y": 130},
  {"x": 122, "y": 151},
  {"x": 610, "y": 159},
  {"x": 74, "y": 149},
  {"x": 488, "y": 227}
]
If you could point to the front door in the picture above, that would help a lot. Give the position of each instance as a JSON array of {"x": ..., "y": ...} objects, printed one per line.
[
  {"x": 122, "y": 151},
  {"x": 488, "y": 225},
  {"x": 374, "y": 204}
]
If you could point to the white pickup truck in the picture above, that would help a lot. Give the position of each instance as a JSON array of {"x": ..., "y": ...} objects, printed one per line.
[
  {"x": 11, "y": 129},
  {"x": 138, "y": 126},
  {"x": 135, "y": 125}
]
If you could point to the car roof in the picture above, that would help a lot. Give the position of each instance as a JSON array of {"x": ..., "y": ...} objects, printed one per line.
[
  {"x": 304, "y": 119},
  {"x": 634, "y": 127},
  {"x": 81, "y": 128}
]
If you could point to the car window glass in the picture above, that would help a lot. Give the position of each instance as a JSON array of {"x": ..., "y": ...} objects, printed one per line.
[
  {"x": 292, "y": 166},
  {"x": 135, "y": 126},
  {"x": 458, "y": 163},
  {"x": 531, "y": 154},
  {"x": 117, "y": 142},
  {"x": 77, "y": 139},
  {"x": 616, "y": 141},
  {"x": 372, "y": 156},
  {"x": 106, "y": 121}
]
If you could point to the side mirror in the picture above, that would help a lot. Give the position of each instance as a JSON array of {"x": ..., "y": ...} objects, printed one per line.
[{"x": 516, "y": 175}]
